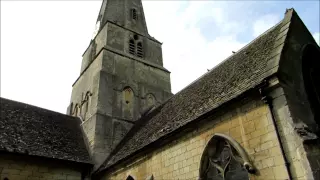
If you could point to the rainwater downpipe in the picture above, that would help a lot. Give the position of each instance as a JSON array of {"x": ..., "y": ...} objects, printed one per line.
[{"x": 267, "y": 100}]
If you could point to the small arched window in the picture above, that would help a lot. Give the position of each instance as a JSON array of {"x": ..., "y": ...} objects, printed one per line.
[
  {"x": 127, "y": 102},
  {"x": 139, "y": 50},
  {"x": 132, "y": 47},
  {"x": 134, "y": 15}
]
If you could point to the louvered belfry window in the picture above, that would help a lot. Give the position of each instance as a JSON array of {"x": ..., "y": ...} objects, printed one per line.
[
  {"x": 132, "y": 47},
  {"x": 139, "y": 50},
  {"x": 134, "y": 14},
  {"x": 135, "y": 46}
]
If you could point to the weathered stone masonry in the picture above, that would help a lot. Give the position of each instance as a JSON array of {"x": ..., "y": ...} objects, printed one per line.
[
  {"x": 27, "y": 168},
  {"x": 250, "y": 124}
]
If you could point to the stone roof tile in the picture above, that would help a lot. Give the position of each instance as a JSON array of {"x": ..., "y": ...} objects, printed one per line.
[{"x": 26, "y": 129}]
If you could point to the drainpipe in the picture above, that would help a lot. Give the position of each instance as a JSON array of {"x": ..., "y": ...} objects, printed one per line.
[{"x": 268, "y": 100}]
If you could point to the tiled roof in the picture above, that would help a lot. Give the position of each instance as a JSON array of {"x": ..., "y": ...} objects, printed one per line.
[{"x": 26, "y": 129}]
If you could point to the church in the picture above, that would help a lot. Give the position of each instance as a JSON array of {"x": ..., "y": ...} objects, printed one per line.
[{"x": 254, "y": 116}]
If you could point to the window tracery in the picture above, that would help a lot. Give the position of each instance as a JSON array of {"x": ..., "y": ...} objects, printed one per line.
[
  {"x": 224, "y": 158},
  {"x": 135, "y": 46}
]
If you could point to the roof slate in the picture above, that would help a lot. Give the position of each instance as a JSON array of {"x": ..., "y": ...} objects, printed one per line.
[
  {"x": 240, "y": 72},
  {"x": 31, "y": 130}
]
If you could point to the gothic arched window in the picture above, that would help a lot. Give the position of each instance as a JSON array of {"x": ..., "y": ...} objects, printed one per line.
[{"x": 224, "y": 158}]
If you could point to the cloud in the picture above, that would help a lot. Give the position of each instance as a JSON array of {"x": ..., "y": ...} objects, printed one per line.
[
  {"x": 41, "y": 49},
  {"x": 187, "y": 52},
  {"x": 316, "y": 37},
  {"x": 264, "y": 23}
]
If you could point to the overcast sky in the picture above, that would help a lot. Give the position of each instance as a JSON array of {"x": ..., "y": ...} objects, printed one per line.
[{"x": 42, "y": 41}]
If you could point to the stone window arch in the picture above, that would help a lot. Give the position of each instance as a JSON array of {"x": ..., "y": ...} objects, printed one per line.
[
  {"x": 129, "y": 178},
  {"x": 127, "y": 102},
  {"x": 311, "y": 77},
  {"x": 224, "y": 158}
]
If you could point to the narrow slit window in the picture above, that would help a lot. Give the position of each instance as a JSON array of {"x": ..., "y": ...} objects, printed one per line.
[
  {"x": 139, "y": 50},
  {"x": 134, "y": 14},
  {"x": 131, "y": 47}
]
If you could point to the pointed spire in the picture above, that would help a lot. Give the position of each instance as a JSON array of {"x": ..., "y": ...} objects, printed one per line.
[{"x": 126, "y": 13}]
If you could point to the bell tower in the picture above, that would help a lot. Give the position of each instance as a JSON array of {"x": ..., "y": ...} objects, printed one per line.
[{"x": 121, "y": 75}]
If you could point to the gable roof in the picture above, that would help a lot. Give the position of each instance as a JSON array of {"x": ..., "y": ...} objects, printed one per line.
[
  {"x": 27, "y": 129},
  {"x": 239, "y": 73}
]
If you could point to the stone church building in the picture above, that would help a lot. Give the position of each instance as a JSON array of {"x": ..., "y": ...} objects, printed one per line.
[{"x": 254, "y": 116}]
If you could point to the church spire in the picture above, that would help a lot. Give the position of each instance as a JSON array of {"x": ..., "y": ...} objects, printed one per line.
[
  {"x": 126, "y": 13},
  {"x": 122, "y": 75}
]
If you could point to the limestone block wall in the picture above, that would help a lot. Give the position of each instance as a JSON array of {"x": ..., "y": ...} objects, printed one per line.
[
  {"x": 19, "y": 168},
  {"x": 294, "y": 148},
  {"x": 250, "y": 124}
]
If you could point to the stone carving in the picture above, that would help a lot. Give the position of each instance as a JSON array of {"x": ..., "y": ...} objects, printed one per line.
[
  {"x": 150, "y": 100},
  {"x": 224, "y": 159}
]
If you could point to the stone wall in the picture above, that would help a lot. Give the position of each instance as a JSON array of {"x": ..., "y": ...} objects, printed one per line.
[
  {"x": 298, "y": 125},
  {"x": 250, "y": 124},
  {"x": 31, "y": 168},
  {"x": 293, "y": 146}
]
